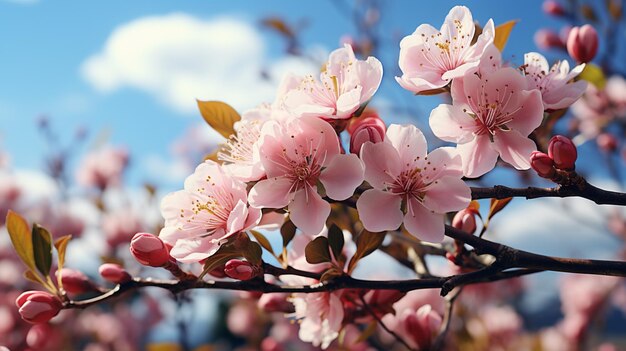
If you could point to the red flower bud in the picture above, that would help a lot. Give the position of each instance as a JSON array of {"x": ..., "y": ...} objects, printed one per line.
[
  {"x": 542, "y": 164},
  {"x": 38, "y": 306},
  {"x": 149, "y": 250},
  {"x": 553, "y": 8},
  {"x": 547, "y": 39},
  {"x": 75, "y": 282},
  {"x": 563, "y": 152},
  {"x": 241, "y": 270},
  {"x": 465, "y": 220},
  {"x": 364, "y": 130},
  {"x": 582, "y": 43},
  {"x": 607, "y": 142},
  {"x": 114, "y": 273}
]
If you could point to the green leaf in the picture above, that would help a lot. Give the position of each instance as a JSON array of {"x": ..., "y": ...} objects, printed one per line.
[
  {"x": 42, "y": 249},
  {"x": 220, "y": 116},
  {"x": 502, "y": 34},
  {"x": 261, "y": 239},
  {"x": 335, "y": 240},
  {"x": 287, "y": 231},
  {"x": 594, "y": 75},
  {"x": 61, "y": 245},
  {"x": 253, "y": 253},
  {"x": 317, "y": 251},
  {"x": 21, "y": 238},
  {"x": 366, "y": 243}
]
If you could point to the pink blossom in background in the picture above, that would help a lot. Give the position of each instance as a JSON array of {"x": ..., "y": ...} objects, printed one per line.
[
  {"x": 418, "y": 328},
  {"x": 211, "y": 208},
  {"x": 345, "y": 84},
  {"x": 490, "y": 115},
  {"x": 400, "y": 171},
  {"x": 120, "y": 226},
  {"x": 555, "y": 83},
  {"x": 431, "y": 58},
  {"x": 10, "y": 193},
  {"x": 547, "y": 39},
  {"x": 321, "y": 316},
  {"x": 103, "y": 167},
  {"x": 497, "y": 324},
  {"x": 296, "y": 155},
  {"x": 593, "y": 111}
]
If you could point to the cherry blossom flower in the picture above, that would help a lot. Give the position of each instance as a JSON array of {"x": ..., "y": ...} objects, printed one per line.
[
  {"x": 211, "y": 208},
  {"x": 404, "y": 176},
  {"x": 491, "y": 114},
  {"x": 344, "y": 86},
  {"x": 296, "y": 156},
  {"x": 554, "y": 83},
  {"x": 431, "y": 58},
  {"x": 103, "y": 168},
  {"x": 321, "y": 316}
]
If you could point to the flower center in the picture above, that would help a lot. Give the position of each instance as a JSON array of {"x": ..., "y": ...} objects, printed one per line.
[{"x": 490, "y": 116}]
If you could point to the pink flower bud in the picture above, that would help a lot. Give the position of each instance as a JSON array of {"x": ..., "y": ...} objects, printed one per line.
[
  {"x": 553, "y": 8},
  {"x": 465, "y": 220},
  {"x": 366, "y": 129},
  {"x": 270, "y": 344},
  {"x": 38, "y": 336},
  {"x": 582, "y": 43},
  {"x": 114, "y": 273},
  {"x": 548, "y": 39},
  {"x": 563, "y": 152},
  {"x": 420, "y": 327},
  {"x": 75, "y": 282},
  {"x": 607, "y": 142},
  {"x": 542, "y": 164},
  {"x": 149, "y": 250},
  {"x": 241, "y": 270},
  {"x": 38, "y": 306},
  {"x": 275, "y": 302}
]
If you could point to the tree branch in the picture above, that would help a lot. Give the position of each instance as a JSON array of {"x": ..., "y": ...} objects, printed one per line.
[{"x": 582, "y": 189}]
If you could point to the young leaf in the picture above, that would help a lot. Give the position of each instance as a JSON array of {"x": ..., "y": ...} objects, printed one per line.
[
  {"x": 317, "y": 251},
  {"x": 42, "y": 249},
  {"x": 61, "y": 245},
  {"x": 261, "y": 239},
  {"x": 502, "y": 34},
  {"x": 253, "y": 253},
  {"x": 223, "y": 254},
  {"x": 287, "y": 231},
  {"x": 21, "y": 238},
  {"x": 335, "y": 240},
  {"x": 366, "y": 243},
  {"x": 497, "y": 206},
  {"x": 220, "y": 116},
  {"x": 33, "y": 277},
  {"x": 594, "y": 75}
]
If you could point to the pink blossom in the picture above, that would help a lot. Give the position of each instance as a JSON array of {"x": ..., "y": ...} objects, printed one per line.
[
  {"x": 582, "y": 43},
  {"x": 404, "y": 176},
  {"x": 321, "y": 316},
  {"x": 149, "y": 250},
  {"x": 491, "y": 114},
  {"x": 114, "y": 273},
  {"x": 344, "y": 86},
  {"x": 296, "y": 156},
  {"x": 431, "y": 58},
  {"x": 418, "y": 328},
  {"x": 211, "y": 208},
  {"x": 120, "y": 225},
  {"x": 548, "y": 39},
  {"x": 103, "y": 168},
  {"x": 38, "y": 306},
  {"x": 366, "y": 129},
  {"x": 555, "y": 84},
  {"x": 10, "y": 193}
]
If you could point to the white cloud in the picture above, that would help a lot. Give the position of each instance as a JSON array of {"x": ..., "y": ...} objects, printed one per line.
[{"x": 179, "y": 58}]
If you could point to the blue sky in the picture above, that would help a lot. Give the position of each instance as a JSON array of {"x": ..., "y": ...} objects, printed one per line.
[{"x": 45, "y": 46}]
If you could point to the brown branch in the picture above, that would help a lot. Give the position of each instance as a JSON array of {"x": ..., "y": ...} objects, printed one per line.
[{"x": 583, "y": 189}]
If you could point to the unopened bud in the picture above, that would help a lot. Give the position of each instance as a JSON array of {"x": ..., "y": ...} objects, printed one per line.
[
  {"x": 364, "y": 130},
  {"x": 75, "y": 282},
  {"x": 240, "y": 270},
  {"x": 554, "y": 8},
  {"x": 149, "y": 250},
  {"x": 542, "y": 164},
  {"x": 38, "y": 336},
  {"x": 563, "y": 152},
  {"x": 114, "y": 273},
  {"x": 548, "y": 39},
  {"x": 38, "y": 306},
  {"x": 607, "y": 142},
  {"x": 582, "y": 43},
  {"x": 465, "y": 220}
]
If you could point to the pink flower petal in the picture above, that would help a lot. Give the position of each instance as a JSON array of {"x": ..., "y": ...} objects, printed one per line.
[
  {"x": 447, "y": 194},
  {"x": 308, "y": 211},
  {"x": 192, "y": 250},
  {"x": 382, "y": 163},
  {"x": 271, "y": 193},
  {"x": 479, "y": 157},
  {"x": 342, "y": 175},
  {"x": 423, "y": 223},
  {"x": 349, "y": 102},
  {"x": 444, "y": 161},
  {"x": 237, "y": 218},
  {"x": 409, "y": 142},
  {"x": 379, "y": 210},
  {"x": 450, "y": 123},
  {"x": 530, "y": 116},
  {"x": 514, "y": 148}
]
